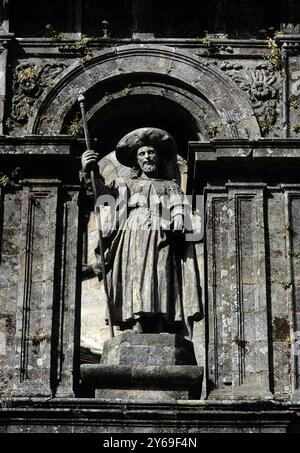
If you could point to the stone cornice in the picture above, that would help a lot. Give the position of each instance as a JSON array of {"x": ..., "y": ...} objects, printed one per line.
[
  {"x": 275, "y": 150},
  {"x": 232, "y": 48},
  {"x": 112, "y": 417},
  {"x": 107, "y": 42},
  {"x": 40, "y": 145}
]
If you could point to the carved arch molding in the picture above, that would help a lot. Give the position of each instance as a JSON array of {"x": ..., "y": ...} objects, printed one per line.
[{"x": 204, "y": 92}]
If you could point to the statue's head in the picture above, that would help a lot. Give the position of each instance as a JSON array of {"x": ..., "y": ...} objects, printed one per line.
[
  {"x": 147, "y": 158},
  {"x": 146, "y": 149}
]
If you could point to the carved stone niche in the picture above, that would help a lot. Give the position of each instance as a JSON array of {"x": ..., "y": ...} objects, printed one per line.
[
  {"x": 126, "y": 81},
  {"x": 139, "y": 367}
]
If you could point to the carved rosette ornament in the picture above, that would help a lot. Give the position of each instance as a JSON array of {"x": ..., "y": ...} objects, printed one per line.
[
  {"x": 261, "y": 85},
  {"x": 29, "y": 82}
]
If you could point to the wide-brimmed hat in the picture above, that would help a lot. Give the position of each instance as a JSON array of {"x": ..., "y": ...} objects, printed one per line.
[{"x": 128, "y": 146}]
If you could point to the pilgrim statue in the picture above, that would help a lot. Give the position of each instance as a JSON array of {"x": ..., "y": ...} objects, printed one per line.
[{"x": 152, "y": 270}]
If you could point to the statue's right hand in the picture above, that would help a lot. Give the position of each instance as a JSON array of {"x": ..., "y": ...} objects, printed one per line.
[{"x": 89, "y": 159}]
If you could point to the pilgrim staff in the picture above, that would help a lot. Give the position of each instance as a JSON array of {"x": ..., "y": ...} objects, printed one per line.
[{"x": 94, "y": 175}]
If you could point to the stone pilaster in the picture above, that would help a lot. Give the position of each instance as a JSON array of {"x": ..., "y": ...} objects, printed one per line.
[{"x": 47, "y": 290}]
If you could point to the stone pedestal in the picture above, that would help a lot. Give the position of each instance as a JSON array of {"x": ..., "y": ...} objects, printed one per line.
[{"x": 157, "y": 367}]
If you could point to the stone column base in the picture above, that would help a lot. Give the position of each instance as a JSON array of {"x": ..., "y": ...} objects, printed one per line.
[
  {"x": 142, "y": 367},
  {"x": 162, "y": 382}
]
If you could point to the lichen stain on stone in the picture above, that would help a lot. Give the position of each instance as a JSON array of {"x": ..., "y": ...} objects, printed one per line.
[
  {"x": 281, "y": 329},
  {"x": 9, "y": 323}
]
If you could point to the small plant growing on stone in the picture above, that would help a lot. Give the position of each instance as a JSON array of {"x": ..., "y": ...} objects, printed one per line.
[
  {"x": 10, "y": 124},
  {"x": 82, "y": 45},
  {"x": 285, "y": 284},
  {"x": 278, "y": 34},
  {"x": 287, "y": 226},
  {"x": 30, "y": 73},
  {"x": 274, "y": 55},
  {"x": 49, "y": 82},
  {"x": 108, "y": 97},
  {"x": 208, "y": 42},
  {"x": 4, "y": 180},
  {"x": 126, "y": 90},
  {"x": 265, "y": 126},
  {"x": 296, "y": 128},
  {"x": 294, "y": 103},
  {"x": 75, "y": 128},
  {"x": 9, "y": 181},
  {"x": 212, "y": 130},
  {"x": 57, "y": 36}
]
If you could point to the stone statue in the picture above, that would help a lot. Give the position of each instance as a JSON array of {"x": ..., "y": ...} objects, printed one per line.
[
  {"x": 4, "y": 15},
  {"x": 153, "y": 274}
]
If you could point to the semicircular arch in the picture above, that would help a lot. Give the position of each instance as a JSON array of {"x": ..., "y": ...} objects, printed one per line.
[{"x": 204, "y": 91}]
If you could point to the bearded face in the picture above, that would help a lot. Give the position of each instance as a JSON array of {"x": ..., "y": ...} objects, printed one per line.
[{"x": 147, "y": 159}]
